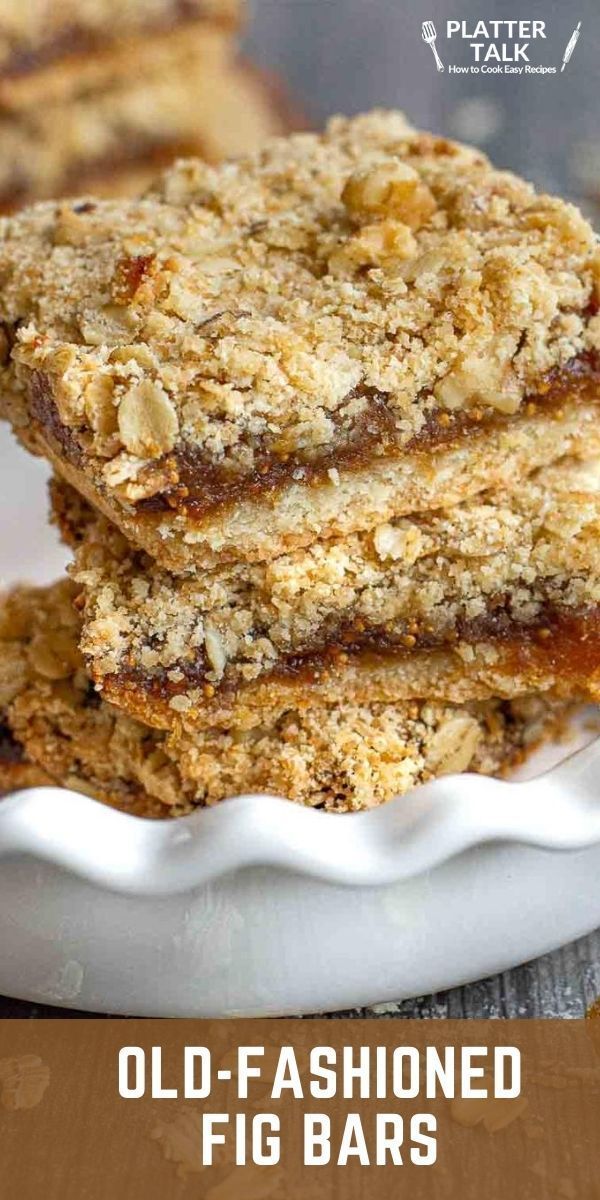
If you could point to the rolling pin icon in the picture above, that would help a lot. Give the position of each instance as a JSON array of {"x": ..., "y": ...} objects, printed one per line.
[{"x": 571, "y": 44}]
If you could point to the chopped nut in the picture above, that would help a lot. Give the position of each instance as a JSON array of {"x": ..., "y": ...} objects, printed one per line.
[
  {"x": 148, "y": 422},
  {"x": 403, "y": 541},
  {"x": 23, "y": 1081},
  {"x": 142, "y": 355},
  {"x": 61, "y": 360},
  {"x": 72, "y": 229},
  {"x": 99, "y": 405},
  {"x": 130, "y": 272},
  {"x": 378, "y": 245},
  {"x": 391, "y": 190},
  {"x": 486, "y": 377},
  {"x": 488, "y": 1111}
]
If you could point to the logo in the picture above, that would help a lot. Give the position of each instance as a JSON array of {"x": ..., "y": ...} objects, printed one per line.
[
  {"x": 429, "y": 36},
  {"x": 498, "y": 47},
  {"x": 571, "y": 44}
]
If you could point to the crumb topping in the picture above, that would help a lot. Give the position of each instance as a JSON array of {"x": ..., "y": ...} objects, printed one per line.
[{"x": 277, "y": 307}]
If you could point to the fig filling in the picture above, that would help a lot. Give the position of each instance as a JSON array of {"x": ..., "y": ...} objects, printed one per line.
[
  {"x": 202, "y": 487},
  {"x": 11, "y": 751},
  {"x": 559, "y": 642}
]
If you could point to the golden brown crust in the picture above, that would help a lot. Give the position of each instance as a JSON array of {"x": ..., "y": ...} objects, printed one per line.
[
  {"x": 560, "y": 660},
  {"x": 341, "y": 757},
  {"x": 331, "y": 297},
  {"x": 486, "y": 582},
  {"x": 269, "y": 527}
]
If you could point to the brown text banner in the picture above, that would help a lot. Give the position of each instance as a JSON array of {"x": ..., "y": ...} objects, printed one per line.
[{"x": 241, "y": 1110}]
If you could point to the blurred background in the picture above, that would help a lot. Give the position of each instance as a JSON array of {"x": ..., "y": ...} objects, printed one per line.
[
  {"x": 348, "y": 55},
  {"x": 98, "y": 97}
]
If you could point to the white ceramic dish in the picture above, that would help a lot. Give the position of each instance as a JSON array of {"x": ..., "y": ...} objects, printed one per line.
[
  {"x": 199, "y": 925},
  {"x": 406, "y": 838}
]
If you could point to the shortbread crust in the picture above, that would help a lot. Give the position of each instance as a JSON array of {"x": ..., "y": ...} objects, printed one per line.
[{"x": 335, "y": 331}]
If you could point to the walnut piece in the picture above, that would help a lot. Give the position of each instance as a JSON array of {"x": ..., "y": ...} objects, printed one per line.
[
  {"x": 403, "y": 541},
  {"x": 485, "y": 377},
  {"x": 23, "y": 1081},
  {"x": 391, "y": 189},
  {"x": 378, "y": 245}
]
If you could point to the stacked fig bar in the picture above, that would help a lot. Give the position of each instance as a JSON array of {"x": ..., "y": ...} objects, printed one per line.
[
  {"x": 324, "y": 429},
  {"x": 95, "y": 95}
]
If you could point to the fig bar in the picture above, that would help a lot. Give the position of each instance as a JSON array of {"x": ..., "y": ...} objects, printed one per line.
[
  {"x": 498, "y": 596},
  {"x": 342, "y": 757},
  {"x": 33, "y": 34},
  {"x": 329, "y": 334},
  {"x": 109, "y": 120}
]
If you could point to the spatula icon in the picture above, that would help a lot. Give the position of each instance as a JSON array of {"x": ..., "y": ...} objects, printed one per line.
[{"x": 429, "y": 36}]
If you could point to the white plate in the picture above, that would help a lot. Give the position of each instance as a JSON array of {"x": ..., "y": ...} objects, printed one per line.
[{"x": 264, "y": 939}]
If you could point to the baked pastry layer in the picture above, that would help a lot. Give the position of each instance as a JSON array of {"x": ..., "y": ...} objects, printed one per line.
[
  {"x": 33, "y": 33},
  {"x": 342, "y": 757},
  {"x": 256, "y": 529},
  {"x": 495, "y": 586},
  {"x": 226, "y": 365},
  {"x": 136, "y": 106}
]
